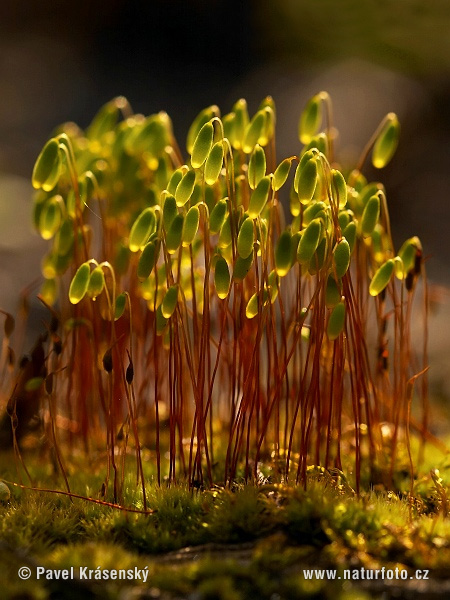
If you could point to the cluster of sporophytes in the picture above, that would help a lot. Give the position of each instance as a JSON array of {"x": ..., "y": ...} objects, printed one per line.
[{"x": 195, "y": 314}]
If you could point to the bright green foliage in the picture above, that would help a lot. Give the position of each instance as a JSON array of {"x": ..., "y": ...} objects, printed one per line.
[{"x": 201, "y": 119}]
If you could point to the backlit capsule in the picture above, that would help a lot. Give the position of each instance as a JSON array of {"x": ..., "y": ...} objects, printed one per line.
[
  {"x": 203, "y": 117},
  {"x": 386, "y": 142},
  {"x": 170, "y": 302},
  {"x": 79, "y": 284},
  {"x": 339, "y": 187},
  {"x": 281, "y": 173},
  {"x": 283, "y": 254},
  {"x": 381, "y": 278},
  {"x": 256, "y": 166},
  {"x": 217, "y": 216},
  {"x": 336, "y": 321},
  {"x": 185, "y": 188},
  {"x": 309, "y": 241},
  {"x": 202, "y": 145},
  {"x": 307, "y": 181},
  {"x": 341, "y": 258},
  {"x": 47, "y": 169},
  {"x": 190, "y": 226},
  {"x": 245, "y": 238},
  {"x": 259, "y": 197},
  {"x": 213, "y": 164},
  {"x": 370, "y": 216},
  {"x": 174, "y": 234},
  {"x": 142, "y": 229},
  {"x": 221, "y": 277},
  {"x": 310, "y": 119},
  {"x": 146, "y": 261},
  {"x": 254, "y": 131}
]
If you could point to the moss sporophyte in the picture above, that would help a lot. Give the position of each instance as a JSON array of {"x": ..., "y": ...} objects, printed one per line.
[{"x": 193, "y": 315}]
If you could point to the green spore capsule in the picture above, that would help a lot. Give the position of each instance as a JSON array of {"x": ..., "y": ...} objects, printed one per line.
[
  {"x": 217, "y": 216},
  {"x": 252, "y": 308},
  {"x": 104, "y": 121},
  {"x": 336, "y": 321},
  {"x": 259, "y": 197},
  {"x": 201, "y": 119},
  {"x": 175, "y": 179},
  {"x": 153, "y": 136},
  {"x": 170, "y": 302},
  {"x": 386, "y": 142},
  {"x": 281, "y": 174},
  {"x": 161, "y": 321},
  {"x": 202, "y": 145},
  {"x": 320, "y": 142},
  {"x": 307, "y": 181},
  {"x": 349, "y": 233},
  {"x": 214, "y": 163},
  {"x": 310, "y": 119},
  {"x": 142, "y": 229},
  {"x": 256, "y": 166},
  {"x": 169, "y": 211},
  {"x": 339, "y": 187},
  {"x": 283, "y": 254},
  {"x": 309, "y": 242},
  {"x": 225, "y": 233},
  {"x": 370, "y": 216},
  {"x": 332, "y": 292},
  {"x": 64, "y": 238},
  {"x": 190, "y": 227},
  {"x": 318, "y": 259},
  {"x": 222, "y": 278},
  {"x": 407, "y": 254},
  {"x": 341, "y": 258},
  {"x": 272, "y": 281},
  {"x": 245, "y": 238},
  {"x": 381, "y": 278},
  {"x": 119, "y": 306},
  {"x": 255, "y": 130},
  {"x": 49, "y": 291},
  {"x": 146, "y": 261},
  {"x": 50, "y": 218},
  {"x": 96, "y": 283},
  {"x": 79, "y": 283},
  {"x": 185, "y": 188},
  {"x": 312, "y": 211},
  {"x": 240, "y": 124},
  {"x": 242, "y": 267},
  {"x": 307, "y": 156},
  {"x": 174, "y": 235},
  {"x": 47, "y": 169},
  {"x": 368, "y": 191},
  {"x": 344, "y": 219}
]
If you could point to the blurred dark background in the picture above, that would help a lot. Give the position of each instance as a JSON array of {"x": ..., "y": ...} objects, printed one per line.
[{"x": 62, "y": 60}]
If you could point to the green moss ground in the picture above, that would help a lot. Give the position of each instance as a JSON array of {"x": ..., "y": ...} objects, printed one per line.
[{"x": 249, "y": 542}]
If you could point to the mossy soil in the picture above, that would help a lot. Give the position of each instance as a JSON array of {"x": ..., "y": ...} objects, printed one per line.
[{"x": 251, "y": 541}]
